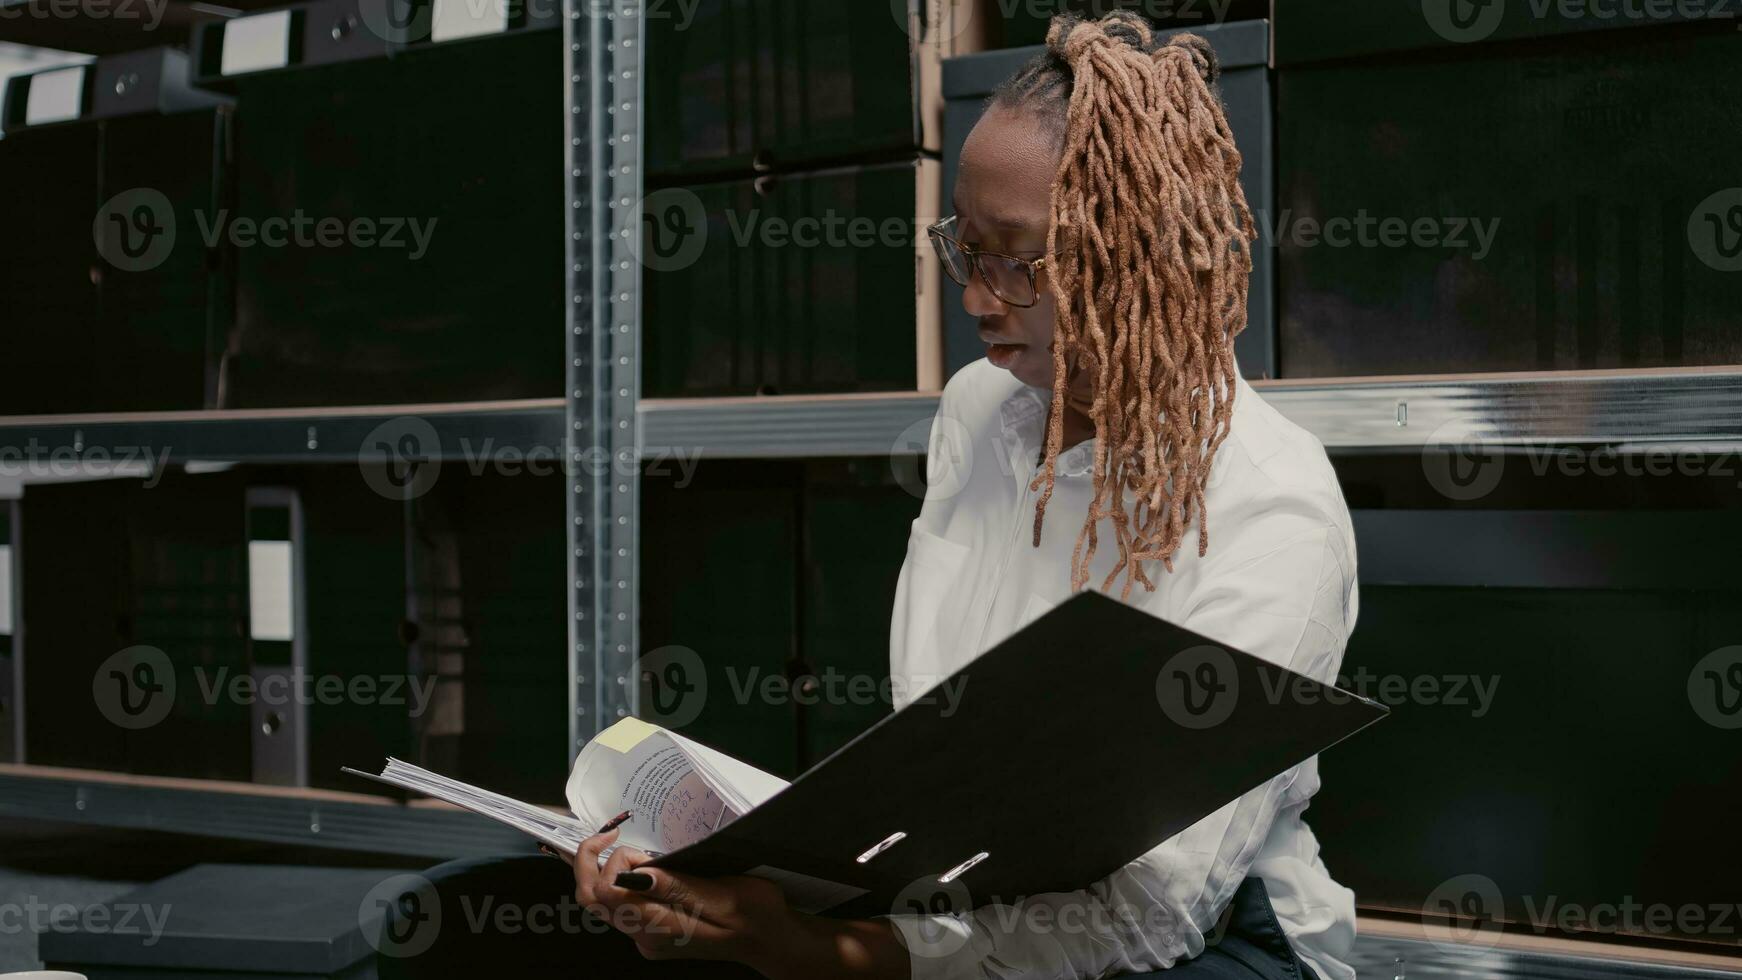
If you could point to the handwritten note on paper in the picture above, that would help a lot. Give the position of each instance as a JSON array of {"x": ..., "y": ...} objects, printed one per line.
[{"x": 666, "y": 785}]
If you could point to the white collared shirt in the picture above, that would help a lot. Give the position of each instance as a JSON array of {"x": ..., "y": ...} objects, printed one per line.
[{"x": 1278, "y": 582}]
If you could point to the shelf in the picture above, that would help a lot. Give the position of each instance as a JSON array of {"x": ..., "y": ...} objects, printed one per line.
[
  {"x": 1687, "y": 406},
  {"x": 1680, "y": 406},
  {"x": 242, "y": 811},
  {"x": 790, "y": 426},
  {"x": 294, "y": 435},
  {"x": 1691, "y": 405},
  {"x": 1390, "y": 948}
]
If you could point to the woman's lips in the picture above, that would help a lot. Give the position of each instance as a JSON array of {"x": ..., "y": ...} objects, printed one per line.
[{"x": 1001, "y": 355}]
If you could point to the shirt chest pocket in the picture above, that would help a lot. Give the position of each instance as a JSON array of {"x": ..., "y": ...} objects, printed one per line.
[{"x": 924, "y": 626}]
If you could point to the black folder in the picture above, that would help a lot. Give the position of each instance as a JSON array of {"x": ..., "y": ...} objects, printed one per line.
[{"x": 1079, "y": 743}]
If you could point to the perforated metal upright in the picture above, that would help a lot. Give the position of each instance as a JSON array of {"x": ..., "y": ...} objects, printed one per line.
[{"x": 603, "y": 60}]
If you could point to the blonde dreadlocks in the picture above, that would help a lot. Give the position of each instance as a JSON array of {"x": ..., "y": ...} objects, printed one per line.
[{"x": 1151, "y": 237}]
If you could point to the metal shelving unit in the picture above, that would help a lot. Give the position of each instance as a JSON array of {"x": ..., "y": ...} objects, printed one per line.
[
  {"x": 602, "y": 127},
  {"x": 601, "y": 411},
  {"x": 603, "y": 59}
]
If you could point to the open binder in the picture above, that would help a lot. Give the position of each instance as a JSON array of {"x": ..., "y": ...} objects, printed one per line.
[{"x": 1097, "y": 724}]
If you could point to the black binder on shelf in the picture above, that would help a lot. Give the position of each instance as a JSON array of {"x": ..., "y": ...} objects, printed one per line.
[{"x": 1076, "y": 729}]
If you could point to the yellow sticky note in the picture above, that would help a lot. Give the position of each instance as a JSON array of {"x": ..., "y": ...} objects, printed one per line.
[{"x": 625, "y": 735}]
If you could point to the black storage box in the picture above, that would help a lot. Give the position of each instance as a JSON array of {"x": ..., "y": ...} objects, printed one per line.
[
  {"x": 1243, "y": 50},
  {"x": 111, "y": 292},
  {"x": 440, "y": 275},
  {"x": 805, "y": 283},
  {"x": 741, "y": 85},
  {"x": 1576, "y": 195},
  {"x": 232, "y": 921}
]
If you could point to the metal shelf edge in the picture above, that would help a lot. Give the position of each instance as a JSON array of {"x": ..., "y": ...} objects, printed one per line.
[{"x": 387, "y": 828}]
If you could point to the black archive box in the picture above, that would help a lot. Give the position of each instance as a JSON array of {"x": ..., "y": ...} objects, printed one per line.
[
  {"x": 418, "y": 232},
  {"x": 112, "y": 294},
  {"x": 793, "y": 284}
]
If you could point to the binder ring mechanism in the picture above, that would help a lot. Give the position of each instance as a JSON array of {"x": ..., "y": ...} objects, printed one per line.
[{"x": 901, "y": 835}]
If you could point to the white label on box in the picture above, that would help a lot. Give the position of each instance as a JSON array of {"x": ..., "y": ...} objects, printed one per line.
[
  {"x": 256, "y": 43},
  {"x": 271, "y": 601},
  {"x": 453, "y": 19},
  {"x": 55, "y": 96}
]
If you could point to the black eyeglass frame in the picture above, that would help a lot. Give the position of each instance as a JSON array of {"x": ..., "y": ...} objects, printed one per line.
[{"x": 1031, "y": 266}]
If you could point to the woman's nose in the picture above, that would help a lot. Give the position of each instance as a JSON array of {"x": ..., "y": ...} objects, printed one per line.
[{"x": 978, "y": 299}]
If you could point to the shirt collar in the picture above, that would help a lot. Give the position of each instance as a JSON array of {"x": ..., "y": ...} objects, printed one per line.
[{"x": 1024, "y": 416}]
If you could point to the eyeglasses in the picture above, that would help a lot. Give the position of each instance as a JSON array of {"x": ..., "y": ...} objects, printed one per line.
[{"x": 1010, "y": 277}]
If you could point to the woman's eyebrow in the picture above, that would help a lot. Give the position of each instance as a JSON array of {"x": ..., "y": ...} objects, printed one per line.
[{"x": 1006, "y": 221}]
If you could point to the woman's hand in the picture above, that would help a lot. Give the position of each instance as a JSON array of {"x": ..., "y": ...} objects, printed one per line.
[
  {"x": 673, "y": 916},
  {"x": 747, "y": 920}
]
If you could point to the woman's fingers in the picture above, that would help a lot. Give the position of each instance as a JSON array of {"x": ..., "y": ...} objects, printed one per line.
[
  {"x": 586, "y": 866},
  {"x": 621, "y": 860}
]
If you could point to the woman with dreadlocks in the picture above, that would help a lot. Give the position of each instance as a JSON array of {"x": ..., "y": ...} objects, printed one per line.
[{"x": 1103, "y": 241}]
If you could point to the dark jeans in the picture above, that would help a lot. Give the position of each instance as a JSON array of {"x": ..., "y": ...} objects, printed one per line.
[{"x": 517, "y": 917}]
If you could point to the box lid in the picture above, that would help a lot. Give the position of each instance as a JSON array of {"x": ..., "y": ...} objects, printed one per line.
[{"x": 251, "y": 918}]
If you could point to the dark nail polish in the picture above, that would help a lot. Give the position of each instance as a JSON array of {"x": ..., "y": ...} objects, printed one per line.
[{"x": 635, "y": 881}]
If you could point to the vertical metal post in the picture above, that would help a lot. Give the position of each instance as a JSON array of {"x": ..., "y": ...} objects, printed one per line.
[{"x": 603, "y": 58}]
